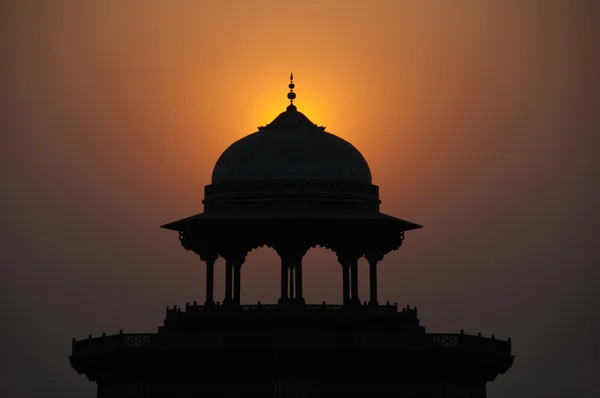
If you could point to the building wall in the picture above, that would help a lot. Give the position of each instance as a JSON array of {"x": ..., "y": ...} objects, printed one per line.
[{"x": 290, "y": 389}]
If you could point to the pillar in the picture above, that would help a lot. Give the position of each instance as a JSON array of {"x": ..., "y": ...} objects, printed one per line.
[
  {"x": 228, "y": 279},
  {"x": 291, "y": 275},
  {"x": 373, "y": 282},
  {"x": 237, "y": 278},
  {"x": 346, "y": 282},
  {"x": 354, "y": 269},
  {"x": 210, "y": 281},
  {"x": 291, "y": 270},
  {"x": 284, "y": 279},
  {"x": 298, "y": 269}
]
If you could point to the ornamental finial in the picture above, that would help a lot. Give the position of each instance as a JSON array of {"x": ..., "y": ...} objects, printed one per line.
[{"x": 291, "y": 95}]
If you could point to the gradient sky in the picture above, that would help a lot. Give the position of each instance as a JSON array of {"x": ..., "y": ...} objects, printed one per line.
[{"x": 479, "y": 120}]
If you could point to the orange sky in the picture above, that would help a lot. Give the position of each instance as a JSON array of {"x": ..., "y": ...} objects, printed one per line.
[{"x": 478, "y": 120}]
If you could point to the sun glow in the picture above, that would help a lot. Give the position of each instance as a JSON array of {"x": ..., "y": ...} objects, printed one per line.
[{"x": 265, "y": 103}]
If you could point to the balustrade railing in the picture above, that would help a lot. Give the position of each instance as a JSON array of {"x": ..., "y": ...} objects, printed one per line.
[
  {"x": 112, "y": 343},
  {"x": 137, "y": 340},
  {"x": 190, "y": 308},
  {"x": 445, "y": 340},
  {"x": 195, "y": 314},
  {"x": 119, "y": 342},
  {"x": 467, "y": 341}
]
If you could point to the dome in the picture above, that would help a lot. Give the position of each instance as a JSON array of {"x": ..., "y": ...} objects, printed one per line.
[
  {"x": 290, "y": 170},
  {"x": 291, "y": 148}
]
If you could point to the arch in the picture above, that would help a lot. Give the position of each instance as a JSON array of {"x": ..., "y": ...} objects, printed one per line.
[
  {"x": 291, "y": 239},
  {"x": 261, "y": 276},
  {"x": 322, "y": 276}
]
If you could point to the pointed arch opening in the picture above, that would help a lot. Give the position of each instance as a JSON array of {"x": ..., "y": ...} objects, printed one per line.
[
  {"x": 261, "y": 276},
  {"x": 322, "y": 276}
]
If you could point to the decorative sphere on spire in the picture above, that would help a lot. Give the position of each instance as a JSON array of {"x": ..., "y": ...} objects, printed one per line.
[{"x": 291, "y": 95}]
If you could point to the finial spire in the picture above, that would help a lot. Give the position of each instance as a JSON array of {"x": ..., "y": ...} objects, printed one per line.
[{"x": 291, "y": 95}]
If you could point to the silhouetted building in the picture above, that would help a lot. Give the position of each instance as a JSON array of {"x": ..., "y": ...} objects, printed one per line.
[{"x": 291, "y": 186}]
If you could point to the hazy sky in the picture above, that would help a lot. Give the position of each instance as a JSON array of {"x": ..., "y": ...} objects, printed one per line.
[{"x": 479, "y": 120}]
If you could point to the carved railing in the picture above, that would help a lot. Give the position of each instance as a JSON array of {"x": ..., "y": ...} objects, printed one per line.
[
  {"x": 137, "y": 340},
  {"x": 467, "y": 341},
  {"x": 445, "y": 340},
  {"x": 197, "y": 317},
  {"x": 112, "y": 343},
  {"x": 259, "y": 307},
  {"x": 387, "y": 308},
  {"x": 198, "y": 313},
  {"x": 121, "y": 342}
]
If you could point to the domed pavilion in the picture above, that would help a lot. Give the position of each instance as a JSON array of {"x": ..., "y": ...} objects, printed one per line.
[{"x": 291, "y": 186}]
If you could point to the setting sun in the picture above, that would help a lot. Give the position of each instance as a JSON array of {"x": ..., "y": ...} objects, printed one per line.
[{"x": 478, "y": 120}]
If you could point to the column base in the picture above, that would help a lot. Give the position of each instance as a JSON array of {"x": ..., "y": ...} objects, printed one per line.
[
  {"x": 283, "y": 301},
  {"x": 229, "y": 302},
  {"x": 300, "y": 301},
  {"x": 289, "y": 303},
  {"x": 353, "y": 303}
]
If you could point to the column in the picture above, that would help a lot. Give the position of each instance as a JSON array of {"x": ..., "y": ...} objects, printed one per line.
[
  {"x": 373, "y": 281},
  {"x": 228, "y": 277},
  {"x": 237, "y": 277},
  {"x": 298, "y": 268},
  {"x": 284, "y": 279},
  {"x": 346, "y": 282},
  {"x": 354, "y": 269},
  {"x": 210, "y": 280},
  {"x": 291, "y": 267}
]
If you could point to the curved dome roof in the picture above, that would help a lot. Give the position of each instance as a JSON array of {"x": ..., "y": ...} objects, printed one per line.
[{"x": 291, "y": 147}]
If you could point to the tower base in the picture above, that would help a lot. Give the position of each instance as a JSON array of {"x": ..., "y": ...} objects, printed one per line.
[{"x": 308, "y": 351}]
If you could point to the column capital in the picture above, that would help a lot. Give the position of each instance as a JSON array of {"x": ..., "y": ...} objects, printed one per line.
[
  {"x": 292, "y": 252},
  {"x": 199, "y": 245},
  {"x": 374, "y": 257},
  {"x": 347, "y": 259},
  {"x": 235, "y": 258},
  {"x": 209, "y": 258}
]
